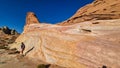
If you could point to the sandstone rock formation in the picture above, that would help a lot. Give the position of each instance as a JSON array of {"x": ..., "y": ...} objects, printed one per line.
[
  {"x": 6, "y": 30},
  {"x": 6, "y": 37},
  {"x": 98, "y": 10},
  {"x": 31, "y": 18},
  {"x": 90, "y": 44},
  {"x": 10, "y": 58}
]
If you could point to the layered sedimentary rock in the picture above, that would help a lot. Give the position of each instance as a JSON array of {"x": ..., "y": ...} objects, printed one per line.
[
  {"x": 31, "y": 18},
  {"x": 90, "y": 44},
  {"x": 97, "y": 10}
]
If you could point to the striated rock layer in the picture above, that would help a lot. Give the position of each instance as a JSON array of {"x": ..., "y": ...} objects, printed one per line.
[
  {"x": 90, "y": 44},
  {"x": 97, "y": 10}
]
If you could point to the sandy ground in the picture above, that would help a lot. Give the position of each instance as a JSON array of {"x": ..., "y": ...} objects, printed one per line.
[
  {"x": 12, "y": 59},
  {"x": 9, "y": 60}
]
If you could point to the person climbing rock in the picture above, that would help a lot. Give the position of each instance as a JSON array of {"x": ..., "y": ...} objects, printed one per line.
[{"x": 22, "y": 48}]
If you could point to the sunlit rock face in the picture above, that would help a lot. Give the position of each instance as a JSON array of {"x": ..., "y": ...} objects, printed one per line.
[
  {"x": 31, "y": 18},
  {"x": 97, "y": 10},
  {"x": 90, "y": 44}
]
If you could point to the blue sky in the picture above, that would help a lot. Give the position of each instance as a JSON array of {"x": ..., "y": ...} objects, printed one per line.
[{"x": 13, "y": 12}]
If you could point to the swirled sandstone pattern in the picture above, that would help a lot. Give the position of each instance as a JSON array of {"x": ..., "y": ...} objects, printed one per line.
[{"x": 89, "y": 44}]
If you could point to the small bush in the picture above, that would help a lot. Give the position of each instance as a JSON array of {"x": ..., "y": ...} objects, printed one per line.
[
  {"x": 43, "y": 66},
  {"x": 3, "y": 47}
]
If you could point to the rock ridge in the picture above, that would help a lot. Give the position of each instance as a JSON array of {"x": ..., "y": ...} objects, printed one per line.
[
  {"x": 9, "y": 31},
  {"x": 104, "y": 9}
]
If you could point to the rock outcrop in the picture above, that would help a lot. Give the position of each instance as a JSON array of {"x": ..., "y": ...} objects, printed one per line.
[
  {"x": 98, "y": 10},
  {"x": 31, "y": 18},
  {"x": 90, "y": 44},
  {"x": 7, "y": 36},
  {"x": 6, "y": 30}
]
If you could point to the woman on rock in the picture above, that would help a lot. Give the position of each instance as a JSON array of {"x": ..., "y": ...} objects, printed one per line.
[{"x": 22, "y": 47}]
